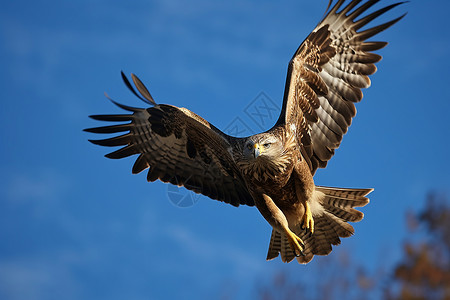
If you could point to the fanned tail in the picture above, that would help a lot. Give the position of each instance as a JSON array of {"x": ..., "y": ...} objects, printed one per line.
[{"x": 336, "y": 208}]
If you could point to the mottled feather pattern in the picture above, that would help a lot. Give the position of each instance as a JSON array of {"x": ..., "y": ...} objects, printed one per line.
[
  {"x": 264, "y": 169},
  {"x": 335, "y": 62},
  {"x": 179, "y": 147}
]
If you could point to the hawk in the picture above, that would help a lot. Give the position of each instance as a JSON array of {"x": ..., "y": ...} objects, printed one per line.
[{"x": 272, "y": 170}]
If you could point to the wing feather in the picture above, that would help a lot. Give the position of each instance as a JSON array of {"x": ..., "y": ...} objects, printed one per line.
[
  {"x": 177, "y": 146},
  {"x": 326, "y": 75}
]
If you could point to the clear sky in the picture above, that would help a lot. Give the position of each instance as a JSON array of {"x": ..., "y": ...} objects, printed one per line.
[{"x": 75, "y": 225}]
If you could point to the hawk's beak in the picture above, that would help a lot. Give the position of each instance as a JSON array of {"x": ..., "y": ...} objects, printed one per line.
[{"x": 257, "y": 150}]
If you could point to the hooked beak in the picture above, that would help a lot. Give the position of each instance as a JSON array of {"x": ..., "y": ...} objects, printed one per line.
[{"x": 257, "y": 150}]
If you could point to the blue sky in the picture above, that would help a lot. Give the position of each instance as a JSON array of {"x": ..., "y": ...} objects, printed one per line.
[{"x": 75, "y": 225}]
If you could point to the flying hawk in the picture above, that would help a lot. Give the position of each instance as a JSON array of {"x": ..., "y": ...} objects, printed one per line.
[{"x": 272, "y": 170}]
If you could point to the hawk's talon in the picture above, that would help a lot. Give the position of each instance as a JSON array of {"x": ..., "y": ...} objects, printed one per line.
[
  {"x": 301, "y": 243},
  {"x": 296, "y": 243},
  {"x": 307, "y": 219},
  {"x": 298, "y": 255}
]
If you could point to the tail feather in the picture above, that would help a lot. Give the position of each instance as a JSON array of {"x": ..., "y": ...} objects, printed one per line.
[
  {"x": 274, "y": 246},
  {"x": 326, "y": 229},
  {"x": 287, "y": 254},
  {"x": 280, "y": 244},
  {"x": 332, "y": 232},
  {"x": 320, "y": 242},
  {"x": 335, "y": 208},
  {"x": 284, "y": 249},
  {"x": 310, "y": 247},
  {"x": 344, "y": 197},
  {"x": 348, "y": 214},
  {"x": 342, "y": 228}
]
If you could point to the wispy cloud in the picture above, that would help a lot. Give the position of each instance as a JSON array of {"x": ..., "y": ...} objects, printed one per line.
[
  {"x": 30, "y": 279},
  {"x": 216, "y": 251},
  {"x": 42, "y": 184}
]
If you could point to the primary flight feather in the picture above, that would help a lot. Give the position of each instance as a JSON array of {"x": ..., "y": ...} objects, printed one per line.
[{"x": 272, "y": 170}]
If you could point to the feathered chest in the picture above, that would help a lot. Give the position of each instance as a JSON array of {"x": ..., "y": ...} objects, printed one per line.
[
  {"x": 268, "y": 159},
  {"x": 266, "y": 173},
  {"x": 279, "y": 186}
]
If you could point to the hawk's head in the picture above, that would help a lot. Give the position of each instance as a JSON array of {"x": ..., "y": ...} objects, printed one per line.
[
  {"x": 265, "y": 156},
  {"x": 264, "y": 146}
]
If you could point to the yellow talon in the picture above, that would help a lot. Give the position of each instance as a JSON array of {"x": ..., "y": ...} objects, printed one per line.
[
  {"x": 308, "y": 220},
  {"x": 296, "y": 243}
]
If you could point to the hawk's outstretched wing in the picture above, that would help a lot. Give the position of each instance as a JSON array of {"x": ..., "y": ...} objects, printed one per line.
[
  {"x": 177, "y": 146},
  {"x": 326, "y": 75}
]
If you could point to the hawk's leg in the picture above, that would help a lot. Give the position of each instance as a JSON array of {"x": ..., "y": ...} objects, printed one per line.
[
  {"x": 277, "y": 219},
  {"x": 307, "y": 219}
]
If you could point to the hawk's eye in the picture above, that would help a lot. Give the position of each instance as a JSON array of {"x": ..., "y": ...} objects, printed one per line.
[
  {"x": 266, "y": 145},
  {"x": 249, "y": 146}
]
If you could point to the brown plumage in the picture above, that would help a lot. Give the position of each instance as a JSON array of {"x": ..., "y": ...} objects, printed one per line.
[{"x": 272, "y": 170}]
